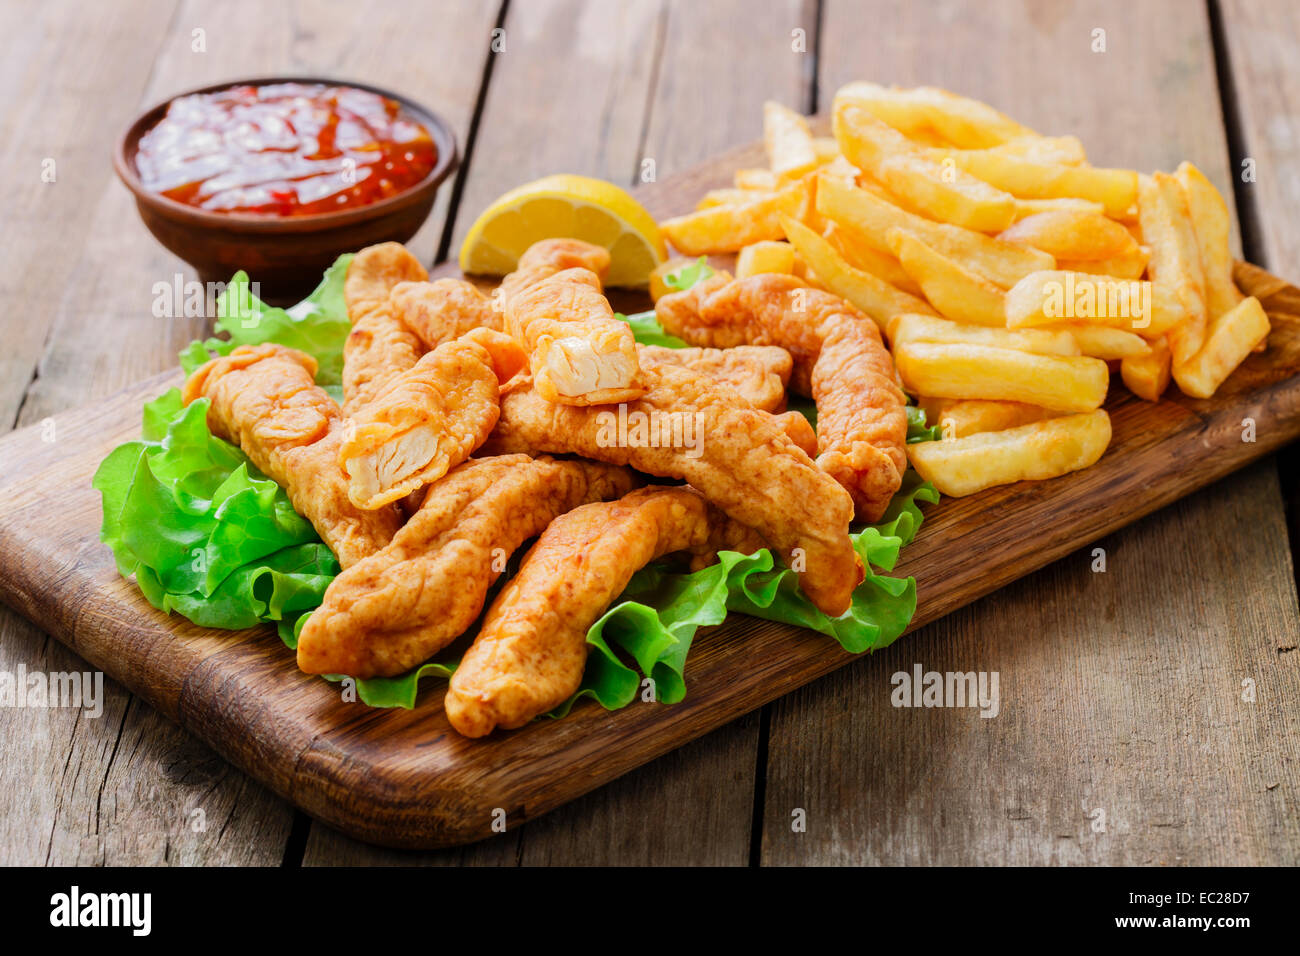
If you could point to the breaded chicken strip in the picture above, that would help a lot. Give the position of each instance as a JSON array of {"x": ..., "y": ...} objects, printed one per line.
[
  {"x": 401, "y": 606},
  {"x": 429, "y": 419},
  {"x": 757, "y": 373},
  {"x": 546, "y": 257},
  {"x": 800, "y": 431},
  {"x": 839, "y": 360},
  {"x": 444, "y": 309},
  {"x": 380, "y": 345},
  {"x": 579, "y": 353},
  {"x": 740, "y": 458},
  {"x": 531, "y": 651},
  {"x": 265, "y": 400}
]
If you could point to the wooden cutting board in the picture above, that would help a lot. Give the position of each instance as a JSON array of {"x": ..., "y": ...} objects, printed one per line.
[{"x": 404, "y": 778}]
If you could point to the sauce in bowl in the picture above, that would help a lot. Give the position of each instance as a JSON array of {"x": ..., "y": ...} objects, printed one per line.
[{"x": 284, "y": 150}]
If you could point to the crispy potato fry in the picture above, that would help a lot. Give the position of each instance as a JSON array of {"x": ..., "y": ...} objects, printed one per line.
[
  {"x": 1061, "y": 383},
  {"x": 1066, "y": 150},
  {"x": 767, "y": 256},
  {"x": 826, "y": 148},
  {"x": 1134, "y": 305},
  {"x": 956, "y": 292},
  {"x": 1102, "y": 341},
  {"x": 1067, "y": 234},
  {"x": 1147, "y": 376},
  {"x": 972, "y": 416},
  {"x": 935, "y": 187},
  {"x": 1130, "y": 267},
  {"x": 789, "y": 143},
  {"x": 866, "y": 257},
  {"x": 1232, "y": 336},
  {"x": 910, "y": 327},
  {"x": 730, "y": 197},
  {"x": 871, "y": 294},
  {"x": 731, "y": 228},
  {"x": 1032, "y": 207},
  {"x": 870, "y": 218},
  {"x": 1210, "y": 222},
  {"x": 925, "y": 111},
  {"x": 1044, "y": 449},
  {"x": 763, "y": 180},
  {"x": 1115, "y": 189},
  {"x": 1175, "y": 260}
]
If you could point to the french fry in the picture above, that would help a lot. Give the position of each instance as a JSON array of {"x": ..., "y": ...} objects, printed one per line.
[
  {"x": 935, "y": 187},
  {"x": 1067, "y": 234},
  {"x": 869, "y": 293},
  {"x": 1102, "y": 341},
  {"x": 1147, "y": 376},
  {"x": 910, "y": 327},
  {"x": 1130, "y": 267},
  {"x": 1175, "y": 260},
  {"x": 866, "y": 257},
  {"x": 1115, "y": 189},
  {"x": 730, "y": 197},
  {"x": 766, "y": 256},
  {"x": 1210, "y": 222},
  {"x": 1055, "y": 296},
  {"x": 789, "y": 143},
  {"x": 954, "y": 291},
  {"x": 972, "y": 416},
  {"x": 1032, "y": 207},
  {"x": 760, "y": 179},
  {"x": 731, "y": 228},
  {"x": 924, "y": 111},
  {"x": 1045, "y": 449},
  {"x": 1060, "y": 383},
  {"x": 826, "y": 149},
  {"x": 1066, "y": 150},
  {"x": 870, "y": 218},
  {"x": 1232, "y": 336}
]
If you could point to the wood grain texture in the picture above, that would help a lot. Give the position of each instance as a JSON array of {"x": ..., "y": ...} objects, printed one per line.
[
  {"x": 86, "y": 269},
  {"x": 1053, "y": 749},
  {"x": 403, "y": 777}
]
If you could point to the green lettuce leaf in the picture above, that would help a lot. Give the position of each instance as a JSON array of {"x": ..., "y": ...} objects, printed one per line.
[{"x": 685, "y": 277}]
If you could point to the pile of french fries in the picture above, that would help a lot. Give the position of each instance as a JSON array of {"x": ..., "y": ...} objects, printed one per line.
[{"x": 1009, "y": 277}]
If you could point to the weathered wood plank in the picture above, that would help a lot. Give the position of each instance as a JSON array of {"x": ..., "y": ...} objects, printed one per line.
[{"x": 1110, "y": 698}]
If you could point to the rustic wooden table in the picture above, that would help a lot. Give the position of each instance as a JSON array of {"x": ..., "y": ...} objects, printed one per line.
[{"x": 1122, "y": 692}]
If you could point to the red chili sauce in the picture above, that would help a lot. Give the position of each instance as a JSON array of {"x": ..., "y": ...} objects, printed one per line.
[{"x": 285, "y": 149}]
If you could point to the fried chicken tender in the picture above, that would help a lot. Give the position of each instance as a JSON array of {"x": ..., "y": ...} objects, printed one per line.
[
  {"x": 757, "y": 373},
  {"x": 839, "y": 360},
  {"x": 444, "y": 309},
  {"x": 800, "y": 431},
  {"x": 740, "y": 458},
  {"x": 546, "y": 257},
  {"x": 531, "y": 651},
  {"x": 264, "y": 399},
  {"x": 429, "y": 419},
  {"x": 380, "y": 346},
  {"x": 579, "y": 353},
  {"x": 399, "y": 607}
]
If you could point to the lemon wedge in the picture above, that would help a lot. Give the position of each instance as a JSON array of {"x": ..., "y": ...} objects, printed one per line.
[{"x": 565, "y": 206}]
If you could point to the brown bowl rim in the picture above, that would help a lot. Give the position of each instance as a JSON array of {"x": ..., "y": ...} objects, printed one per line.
[{"x": 128, "y": 143}]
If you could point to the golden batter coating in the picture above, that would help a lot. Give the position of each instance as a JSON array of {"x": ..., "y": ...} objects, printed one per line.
[
  {"x": 839, "y": 360},
  {"x": 380, "y": 346},
  {"x": 444, "y": 309},
  {"x": 579, "y": 353},
  {"x": 740, "y": 458},
  {"x": 399, "y": 607},
  {"x": 531, "y": 651},
  {"x": 757, "y": 373},
  {"x": 264, "y": 399},
  {"x": 429, "y": 419},
  {"x": 546, "y": 257}
]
